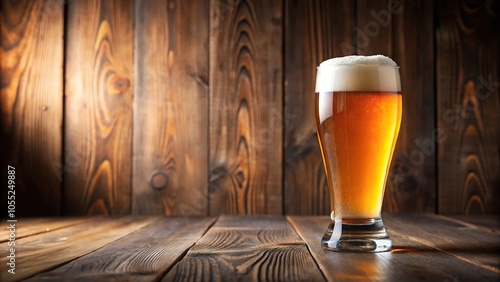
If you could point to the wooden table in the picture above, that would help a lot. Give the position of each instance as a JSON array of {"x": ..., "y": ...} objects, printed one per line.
[{"x": 247, "y": 248}]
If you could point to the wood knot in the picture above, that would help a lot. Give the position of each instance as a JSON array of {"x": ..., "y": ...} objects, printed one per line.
[
  {"x": 217, "y": 177},
  {"x": 171, "y": 5},
  {"x": 44, "y": 108},
  {"x": 118, "y": 84},
  {"x": 159, "y": 180}
]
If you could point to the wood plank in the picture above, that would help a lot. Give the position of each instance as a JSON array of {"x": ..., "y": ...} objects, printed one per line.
[
  {"x": 250, "y": 248},
  {"x": 98, "y": 120},
  {"x": 408, "y": 261},
  {"x": 170, "y": 108},
  {"x": 490, "y": 222},
  {"x": 314, "y": 31},
  {"x": 404, "y": 30},
  {"x": 372, "y": 35},
  {"x": 245, "y": 106},
  {"x": 31, "y": 226},
  {"x": 43, "y": 252},
  {"x": 144, "y": 255},
  {"x": 411, "y": 186},
  {"x": 473, "y": 245},
  {"x": 468, "y": 107},
  {"x": 31, "y": 103}
]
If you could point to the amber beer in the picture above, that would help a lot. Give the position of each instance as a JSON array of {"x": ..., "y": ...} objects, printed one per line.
[
  {"x": 358, "y": 113},
  {"x": 358, "y": 131}
]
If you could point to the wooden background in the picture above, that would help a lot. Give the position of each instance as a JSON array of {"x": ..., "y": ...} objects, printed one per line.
[{"x": 199, "y": 107}]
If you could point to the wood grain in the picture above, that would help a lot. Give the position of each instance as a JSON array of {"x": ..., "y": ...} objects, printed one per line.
[
  {"x": 42, "y": 252},
  {"x": 490, "y": 222},
  {"x": 31, "y": 103},
  {"x": 454, "y": 238},
  {"x": 249, "y": 248},
  {"x": 170, "y": 108},
  {"x": 246, "y": 107},
  {"x": 408, "y": 261},
  {"x": 314, "y": 31},
  {"x": 372, "y": 36},
  {"x": 404, "y": 30},
  {"x": 31, "y": 226},
  {"x": 143, "y": 255},
  {"x": 98, "y": 120},
  {"x": 155, "y": 117},
  {"x": 468, "y": 102}
]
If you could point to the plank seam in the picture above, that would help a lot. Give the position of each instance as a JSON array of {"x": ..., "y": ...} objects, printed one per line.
[
  {"x": 284, "y": 14},
  {"x": 164, "y": 273},
  {"x": 62, "y": 206},
  {"x": 470, "y": 225},
  {"x": 433, "y": 246},
  {"x": 486, "y": 267},
  {"x": 290, "y": 222},
  {"x": 73, "y": 259},
  {"x": 435, "y": 25},
  {"x": 45, "y": 231},
  {"x": 209, "y": 98},
  {"x": 132, "y": 112}
]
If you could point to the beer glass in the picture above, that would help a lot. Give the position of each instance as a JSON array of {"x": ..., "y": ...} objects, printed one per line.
[{"x": 358, "y": 113}]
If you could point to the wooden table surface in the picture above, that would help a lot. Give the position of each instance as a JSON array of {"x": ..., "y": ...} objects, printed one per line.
[{"x": 247, "y": 248}]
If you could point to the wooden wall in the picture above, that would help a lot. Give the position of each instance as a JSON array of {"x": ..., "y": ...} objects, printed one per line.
[{"x": 206, "y": 107}]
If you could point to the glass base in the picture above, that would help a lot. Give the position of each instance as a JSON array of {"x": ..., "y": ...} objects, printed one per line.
[{"x": 356, "y": 235}]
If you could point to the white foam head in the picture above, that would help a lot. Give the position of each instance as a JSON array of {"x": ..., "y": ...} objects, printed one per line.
[{"x": 358, "y": 73}]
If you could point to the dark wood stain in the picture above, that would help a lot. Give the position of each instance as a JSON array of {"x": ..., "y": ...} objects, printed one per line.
[
  {"x": 31, "y": 104},
  {"x": 468, "y": 112}
]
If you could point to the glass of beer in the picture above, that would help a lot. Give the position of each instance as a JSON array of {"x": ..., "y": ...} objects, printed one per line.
[{"x": 358, "y": 113}]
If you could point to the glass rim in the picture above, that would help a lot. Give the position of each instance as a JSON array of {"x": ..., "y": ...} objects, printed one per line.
[{"x": 364, "y": 65}]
